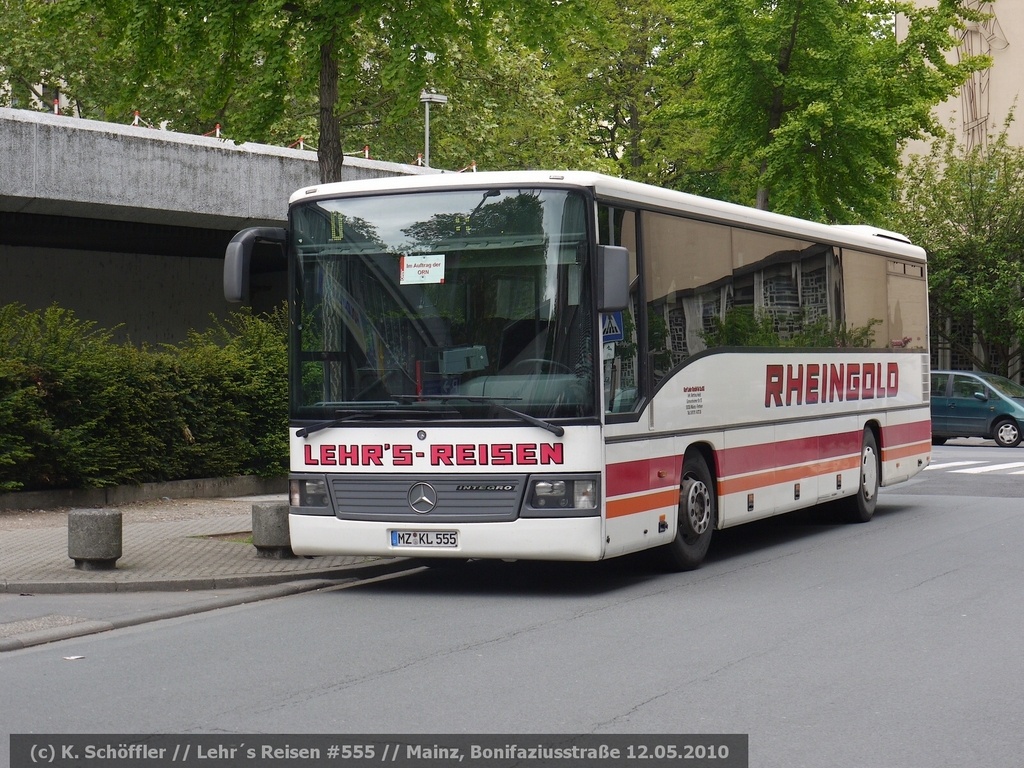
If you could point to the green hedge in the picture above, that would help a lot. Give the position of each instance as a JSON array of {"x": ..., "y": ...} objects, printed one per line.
[{"x": 78, "y": 410}]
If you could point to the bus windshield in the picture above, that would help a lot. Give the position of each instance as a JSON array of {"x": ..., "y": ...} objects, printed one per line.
[{"x": 454, "y": 304}]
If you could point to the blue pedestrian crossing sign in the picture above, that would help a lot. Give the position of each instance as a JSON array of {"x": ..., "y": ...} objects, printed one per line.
[{"x": 611, "y": 327}]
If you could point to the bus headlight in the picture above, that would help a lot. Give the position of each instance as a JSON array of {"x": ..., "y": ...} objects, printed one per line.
[
  {"x": 308, "y": 493},
  {"x": 554, "y": 495}
]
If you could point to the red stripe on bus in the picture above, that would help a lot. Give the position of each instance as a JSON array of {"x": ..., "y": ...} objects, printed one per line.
[
  {"x": 769, "y": 463},
  {"x": 786, "y": 475},
  {"x": 766, "y": 457},
  {"x": 769, "y": 456},
  {"x": 643, "y": 475},
  {"x": 915, "y": 432}
]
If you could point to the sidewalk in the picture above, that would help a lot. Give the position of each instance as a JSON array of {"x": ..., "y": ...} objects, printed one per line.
[{"x": 200, "y": 554}]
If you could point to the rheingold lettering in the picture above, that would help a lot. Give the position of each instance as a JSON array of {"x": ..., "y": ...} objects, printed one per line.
[{"x": 813, "y": 383}]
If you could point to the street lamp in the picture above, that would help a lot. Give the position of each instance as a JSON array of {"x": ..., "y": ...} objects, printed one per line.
[{"x": 427, "y": 98}]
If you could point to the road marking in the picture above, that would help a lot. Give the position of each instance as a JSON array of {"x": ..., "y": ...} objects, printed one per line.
[
  {"x": 989, "y": 468},
  {"x": 949, "y": 464}
]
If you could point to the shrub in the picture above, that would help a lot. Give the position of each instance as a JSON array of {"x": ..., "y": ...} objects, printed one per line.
[{"x": 78, "y": 410}]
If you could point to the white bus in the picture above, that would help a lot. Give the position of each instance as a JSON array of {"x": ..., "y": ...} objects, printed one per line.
[{"x": 569, "y": 366}]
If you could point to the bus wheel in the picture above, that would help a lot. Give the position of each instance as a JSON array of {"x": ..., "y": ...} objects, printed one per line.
[
  {"x": 861, "y": 507},
  {"x": 697, "y": 516}
]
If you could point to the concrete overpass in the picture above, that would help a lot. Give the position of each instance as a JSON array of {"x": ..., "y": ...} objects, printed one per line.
[{"x": 126, "y": 225}]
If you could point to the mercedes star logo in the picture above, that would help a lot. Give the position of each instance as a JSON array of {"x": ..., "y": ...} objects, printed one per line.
[{"x": 422, "y": 498}]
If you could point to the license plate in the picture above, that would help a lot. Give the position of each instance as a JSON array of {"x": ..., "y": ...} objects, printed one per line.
[{"x": 449, "y": 539}]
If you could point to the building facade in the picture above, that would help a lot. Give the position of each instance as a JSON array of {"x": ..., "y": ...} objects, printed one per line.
[
  {"x": 987, "y": 100},
  {"x": 126, "y": 226},
  {"x": 985, "y": 106}
]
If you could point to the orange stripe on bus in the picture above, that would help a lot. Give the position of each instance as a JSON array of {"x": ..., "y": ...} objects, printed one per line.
[
  {"x": 792, "y": 474},
  {"x": 903, "y": 451},
  {"x": 645, "y": 503}
]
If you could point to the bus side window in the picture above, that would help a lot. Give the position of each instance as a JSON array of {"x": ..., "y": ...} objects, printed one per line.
[{"x": 619, "y": 339}]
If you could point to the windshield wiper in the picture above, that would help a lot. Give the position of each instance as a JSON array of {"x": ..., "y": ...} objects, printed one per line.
[
  {"x": 380, "y": 409},
  {"x": 493, "y": 401},
  {"x": 307, "y": 431}
]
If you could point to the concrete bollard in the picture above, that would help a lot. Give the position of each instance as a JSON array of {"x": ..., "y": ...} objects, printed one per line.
[
  {"x": 270, "y": 530},
  {"x": 94, "y": 538}
]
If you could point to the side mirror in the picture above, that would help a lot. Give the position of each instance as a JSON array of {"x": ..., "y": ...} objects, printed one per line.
[
  {"x": 238, "y": 258},
  {"x": 612, "y": 278}
]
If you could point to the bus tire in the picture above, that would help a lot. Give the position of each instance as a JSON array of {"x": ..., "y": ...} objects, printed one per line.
[
  {"x": 697, "y": 517},
  {"x": 860, "y": 508}
]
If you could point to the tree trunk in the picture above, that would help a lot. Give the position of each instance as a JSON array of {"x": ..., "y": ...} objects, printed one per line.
[
  {"x": 777, "y": 110},
  {"x": 634, "y": 136},
  {"x": 762, "y": 193},
  {"x": 330, "y": 154}
]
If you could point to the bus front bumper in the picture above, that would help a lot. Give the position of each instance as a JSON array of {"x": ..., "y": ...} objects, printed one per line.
[{"x": 576, "y": 538}]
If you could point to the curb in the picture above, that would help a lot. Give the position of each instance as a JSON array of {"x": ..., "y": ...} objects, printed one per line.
[
  {"x": 278, "y": 588},
  {"x": 92, "y": 627},
  {"x": 186, "y": 583}
]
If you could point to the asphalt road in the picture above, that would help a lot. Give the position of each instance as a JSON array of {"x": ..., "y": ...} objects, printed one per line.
[
  {"x": 899, "y": 643},
  {"x": 970, "y": 467}
]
